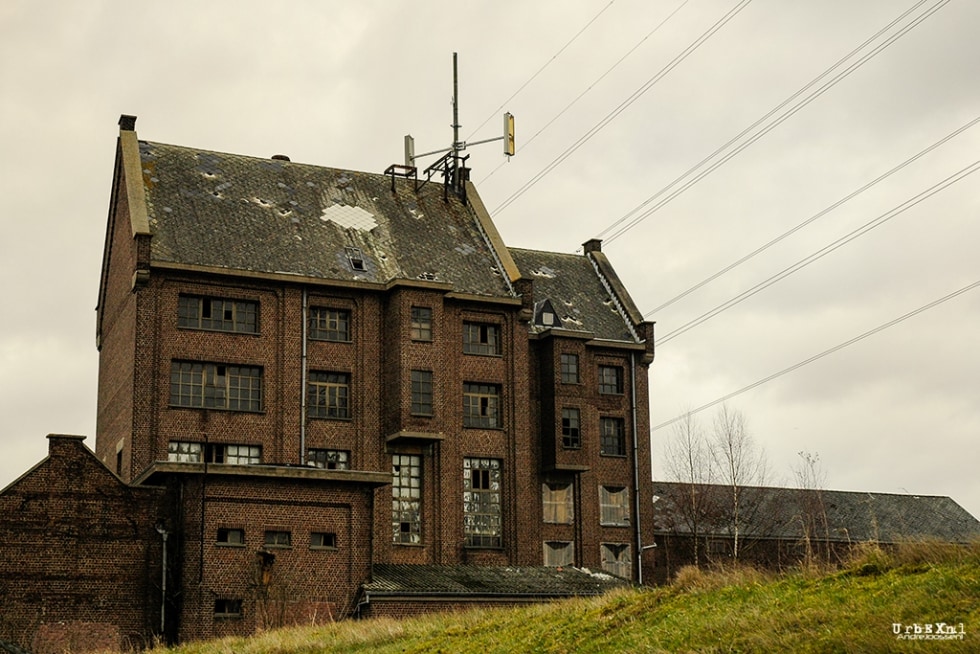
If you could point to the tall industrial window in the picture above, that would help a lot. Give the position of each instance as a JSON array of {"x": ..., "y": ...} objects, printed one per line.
[
  {"x": 216, "y": 314},
  {"x": 558, "y": 501},
  {"x": 329, "y": 324},
  {"x": 612, "y": 437},
  {"x": 328, "y": 395},
  {"x": 481, "y": 338},
  {"x": 569, "y": 368},
  {"x": 571, "y": 429},
  {"x": 614, "y": 506},
  {"x": 421, "y": 324},
  {"x": 422, "y": 392},
  {"x": 610, "y": 380},
  {"x": 328, "y": 459},
  {"x": 215, "y": 386},
  {"x": 482, "y": 520},
  {"x": 616, "y": 559},
  {"x": 406, "y": 498},
  {"x": 481, "y": 406},
  {"x": 559, "y": 554}
]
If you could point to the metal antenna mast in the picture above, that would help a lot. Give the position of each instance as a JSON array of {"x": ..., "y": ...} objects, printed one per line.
[{"x": 451, "y": 165}]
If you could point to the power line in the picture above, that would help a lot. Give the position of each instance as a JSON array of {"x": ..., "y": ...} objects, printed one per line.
[
  {"x": 811, "y": 219},
  {"x": 815, "y": 357},
  {"x": 624, "y": 105},
  {"x": 769, "y": 127},
  {"x": 527, "y": 142},
  {"x": 547, "y": 63},
  {"x": 827, "y": 249}
]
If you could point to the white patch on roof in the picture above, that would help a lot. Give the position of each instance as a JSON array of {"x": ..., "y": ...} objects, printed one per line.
[{"x": 350, "y": 216}]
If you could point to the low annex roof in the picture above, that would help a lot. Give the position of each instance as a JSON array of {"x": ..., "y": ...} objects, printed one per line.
[
  {"x": 482, "y": 581},
  {"x": 850, "y": 516}
]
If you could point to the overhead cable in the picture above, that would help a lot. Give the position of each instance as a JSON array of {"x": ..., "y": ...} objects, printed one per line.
[{"x": 816, "y": 357}]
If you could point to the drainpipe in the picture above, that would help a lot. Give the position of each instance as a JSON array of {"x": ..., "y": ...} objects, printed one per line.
[
  {"x": 302, "y": 384},
  {"x": 163, "y": 583},
  {"x": 636, "y": 473}
]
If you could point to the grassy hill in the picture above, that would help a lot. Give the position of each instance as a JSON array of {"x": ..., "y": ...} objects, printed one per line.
[{"x": 740, "y": 610}]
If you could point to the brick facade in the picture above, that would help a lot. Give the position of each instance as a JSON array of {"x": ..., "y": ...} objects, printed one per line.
[{"x": 182, "y": 402}]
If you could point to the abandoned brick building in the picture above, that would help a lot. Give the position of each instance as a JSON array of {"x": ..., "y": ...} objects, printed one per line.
[{"x": 311, "y": 379}]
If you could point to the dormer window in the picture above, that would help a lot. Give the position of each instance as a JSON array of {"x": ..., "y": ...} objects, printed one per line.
[{"x": 355, "y": 257}]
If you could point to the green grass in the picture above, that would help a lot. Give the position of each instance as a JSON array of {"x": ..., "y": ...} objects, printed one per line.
[{"x": 735, "y": 610}]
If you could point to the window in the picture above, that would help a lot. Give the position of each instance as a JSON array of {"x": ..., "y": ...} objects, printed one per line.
[
  {"x": 227, "y": 608},
  {"x": 612, "y": 437},
  {"x": 278, "y": 539},
  {"x": 558, "y": 502},
  {"x": 616, "y": 559},
  {"x": 480, "y": 338},
  {"x": 216, "y": 314},
  {"x": 406, "y": 498},
  {"x": 355, "y": 257},
  {"x": 322, "y": 540},
  {"x": 215, "y": 386},
  {"x": 231, "y": 537},
  {"x": 481, "y": 406},
  {"x": 610, "y": 380},
  {"x": 571, "y": 433},
  {"x": 614, "y": 506},
  {"x": 559, "y": 554},
  {"x": 421, "y": 392},
  {"x": 240, "y": 455},
  {"x": 328, "y": 395},
  {"x": 482, "y": 523},
  {"x": 421, "y": 324},
  {"x": 329, "y": 324},
  {"x": 328, "y": 459},
  {"x": 569, "y": 368},
  {"x": 184, "y": 452}
]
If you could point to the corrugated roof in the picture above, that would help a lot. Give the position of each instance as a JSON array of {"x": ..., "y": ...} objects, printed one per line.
[
  {"x": 481, "y": 581},
  {"x": 570, "y": 283},
  {"x": 850, "y": 516},
  {"x": 273, "y": 216}
]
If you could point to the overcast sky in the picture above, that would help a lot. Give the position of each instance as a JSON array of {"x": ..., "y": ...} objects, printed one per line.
[{"x": 610, "y": 110}]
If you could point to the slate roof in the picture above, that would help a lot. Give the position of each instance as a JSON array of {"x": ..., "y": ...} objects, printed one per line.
[
  {"x": 851, "y": 516},
  {"x": 273, "y": 216},
  {"x": 570, "y": 283},
  {"x": 480, "y": 581}
]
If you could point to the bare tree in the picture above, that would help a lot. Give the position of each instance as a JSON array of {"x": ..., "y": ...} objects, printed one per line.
[
  {"x": 811, "y": 479},
  {"x": 739, "y": 463},
  {"x": 688, "y": 460}
]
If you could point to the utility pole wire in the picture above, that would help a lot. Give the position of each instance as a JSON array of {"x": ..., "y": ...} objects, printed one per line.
[
  {"x": 827, "y": 249},
  {"x": 816, "y": 216},
  {"x": 771, "y": 126},
  {"x": 815, "y": 357},
  {"x": 624, "y": 105},
  {"x": 547, "y": 63},
  {"x": 527, "y": 142}
]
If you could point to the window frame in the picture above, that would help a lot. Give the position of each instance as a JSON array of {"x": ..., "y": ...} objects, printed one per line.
[
  {"x": 236, "y": 316},
  {"x": 227, "y": 607},
  {"x": 567, "y": 553},
  {"x": 571, "y": 428},
  {"x": 328, "y": 538},
  {"x": 216, "y": 386},
  {"x": 190, "y": 449},
  {"x": 340, "y": 459},
  {"x": 281, "y": 539},
  {"x": 329, "y": 324},
  {"x": 613, "y": 513},
  {"x": 233, "y": 454},
  {"x": 422, "y": 393},
  {"x": 613, "y": 385},
  {"x": 569, "y": 368},
  {"x": 482, "y": 503},
  {"x": 421, "y": 324},
  {"x": 223, "y": 537},
  {"x": 482, "y": 406},
  {"x": 612, "y": 436},
  {"x": 482, "y": 339},
  {"x": 334, "y": 389},
  {"x": 615, "y": 564},
  {"x": 558, "y": 500},
  {"x": 406, "y": 499}
]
